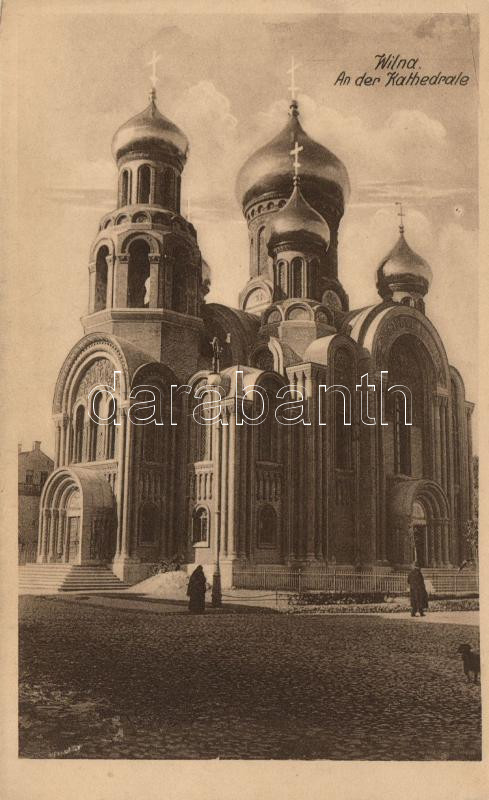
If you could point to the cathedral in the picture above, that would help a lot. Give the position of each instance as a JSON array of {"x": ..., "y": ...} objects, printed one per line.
[{"x": 346, "y": 491}]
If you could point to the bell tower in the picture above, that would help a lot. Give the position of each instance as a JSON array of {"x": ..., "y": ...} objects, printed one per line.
[{"x": 145, "y": 272}]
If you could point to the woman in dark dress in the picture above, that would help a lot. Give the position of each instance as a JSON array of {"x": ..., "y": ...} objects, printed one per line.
[
  {"x": 417, "y": 590},
  {"x": 196, "y": 591}
]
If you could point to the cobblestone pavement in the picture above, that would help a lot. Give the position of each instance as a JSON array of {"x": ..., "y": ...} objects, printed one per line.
[{"x": 104, "y": 682}]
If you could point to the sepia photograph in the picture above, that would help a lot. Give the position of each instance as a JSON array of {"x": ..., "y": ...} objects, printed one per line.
[{"x": 246, "y": 321}]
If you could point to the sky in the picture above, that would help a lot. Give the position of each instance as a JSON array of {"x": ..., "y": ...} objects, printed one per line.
[{"x": 223, "y": 79}]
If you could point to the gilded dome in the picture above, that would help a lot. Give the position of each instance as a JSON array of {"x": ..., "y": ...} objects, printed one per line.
[
  {"x": 149, "y": 127},
  {"x": 297, "y": 219},
  {"x": 401, "y": 269},
  {"x": 268, "y": 170}
]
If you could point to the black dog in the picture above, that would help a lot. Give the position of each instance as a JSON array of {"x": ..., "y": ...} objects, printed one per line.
[{"x": 471, "y": 660}]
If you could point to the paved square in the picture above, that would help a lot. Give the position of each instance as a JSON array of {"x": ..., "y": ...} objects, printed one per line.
[{"x": 110, "y": 682}]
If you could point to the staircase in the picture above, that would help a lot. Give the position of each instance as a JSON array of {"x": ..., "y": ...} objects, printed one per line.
[{"x": 52, "y": 578}]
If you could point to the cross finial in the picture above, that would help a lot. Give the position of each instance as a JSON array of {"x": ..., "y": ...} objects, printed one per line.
[
  {"x": 293, "y": 89},
  {"x": 153, "y": 77},
  {"x": 400, "y": 214},
  {"x": 295, "y": 152}
]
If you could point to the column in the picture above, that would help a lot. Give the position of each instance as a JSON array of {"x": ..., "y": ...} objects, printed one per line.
[
  {"x": 40, "y": 536},
  {"x": 49, "y": 543},
  {"x": 128, "y": 471},
  {"x": 47, "y": 533},
  {"x": 54, "y": 534},
  {"x": 154, "y": 282},
  {"x": 445, "y": 542},
  {"x": 381, "y": 487},
  {"x": 437, "y": 542},
  {"x": 437, "y": 439},
  {"x": 57, "y": 443},
  {"x": 443, "y": 443},
  {"x": 110, "y": 281},
  {"x": 224, "y": 480},
  {"x": 470, "y": 465},
  {"x": 120, "y": 278},
  {"x": 92, "y": 279},
  {"x": 233, "y": 469},
  {"x": 121, "y": 457},
  {"x": 152, "y": 186},
  {"x": 62, "y": 533}
]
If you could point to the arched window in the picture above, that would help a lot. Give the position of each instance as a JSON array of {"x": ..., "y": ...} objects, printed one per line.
[
  {"x": 144, "y": 183},
  {"x": 95, "y": 430},
  {"x": 149, "y": 524},
  {"x": 296, "y": 268},
  {"x": 262, "y": 251},
  {"x": 200, "y": 525},
  {"x": 267, "y": 527},
  {"x": 203, "y": 431},
  {"x": 138, "y": 275},
  {"x": 112, "y": 428},
  {"x": 407, "y": 442},
  {"x": 78, "y": 435},
  {"x": 124, "y": 188},
  {"x": 343, "y": 376},
  {"x": 281, "y": 279},
  {"x": 101, "y": 279}
]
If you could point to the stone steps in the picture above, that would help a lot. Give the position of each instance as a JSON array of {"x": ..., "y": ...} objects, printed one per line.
[{"x": 52, "y": 578}]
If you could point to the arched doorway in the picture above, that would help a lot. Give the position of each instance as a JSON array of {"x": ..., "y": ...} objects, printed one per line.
[
  {"x": 419, "y": 524},
  {"x": 77, "y": 518}
]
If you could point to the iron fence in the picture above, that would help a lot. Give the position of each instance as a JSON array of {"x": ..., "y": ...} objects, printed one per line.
[{"x": 340, "y": 581}]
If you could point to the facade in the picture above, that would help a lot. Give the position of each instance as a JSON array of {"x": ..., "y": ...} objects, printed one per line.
[
  {"x": 34, "y": 468},
  {"x": 358, "y": 494}
]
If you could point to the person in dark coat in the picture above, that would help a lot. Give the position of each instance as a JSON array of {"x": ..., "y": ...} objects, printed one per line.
[
  {"x": 417, "y": 590},
  {"x": 196, "y": 591}
]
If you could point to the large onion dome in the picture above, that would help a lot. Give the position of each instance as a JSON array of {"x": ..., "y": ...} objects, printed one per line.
[
  {"x": 296, "y": 221},
  {"x": 268, "y": 170},
  {"x": 150, "y": 130},
  {"x": 403, "y": 270}
]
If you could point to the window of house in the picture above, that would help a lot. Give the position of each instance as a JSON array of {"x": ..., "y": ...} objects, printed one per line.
[{"x": 29, "y": 477}]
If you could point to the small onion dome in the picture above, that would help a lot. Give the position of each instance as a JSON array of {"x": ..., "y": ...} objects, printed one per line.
[
  {"x": 403, "y": 270},
  {"x": 148, "y": 128},
  {"x": 296, "y": 221},
  {"x": 268, "y": 170}
]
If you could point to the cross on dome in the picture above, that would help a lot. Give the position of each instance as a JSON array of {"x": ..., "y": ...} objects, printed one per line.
[
  {"x": 153, "y": 77},
  {"x": 400, "y": 214},
  {"x": 293, "y": 89},
  {"x": 296, "y": 163}
]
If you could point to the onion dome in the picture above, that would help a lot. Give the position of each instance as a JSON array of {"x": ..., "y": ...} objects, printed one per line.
[
  {"x": 296, "y": 221},
  {"x": 403, "y": 270},
  {"x": 268, "y": 170},
  {"x": 148, "y": 130}
]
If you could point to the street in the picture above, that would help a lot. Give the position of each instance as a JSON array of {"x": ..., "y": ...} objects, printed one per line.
[{"x": 110, "y": 682}]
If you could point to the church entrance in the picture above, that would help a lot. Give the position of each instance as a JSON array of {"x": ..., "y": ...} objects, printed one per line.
[
  {"x": 420, "y": 535},
  {"x": 78, "y": 522}
]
